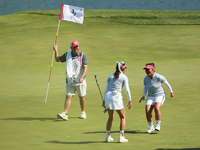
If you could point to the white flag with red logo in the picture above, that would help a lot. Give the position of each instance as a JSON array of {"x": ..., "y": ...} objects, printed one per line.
[{"x": 72, "y": 13}]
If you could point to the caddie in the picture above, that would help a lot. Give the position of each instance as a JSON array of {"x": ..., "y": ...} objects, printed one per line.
[{"x": 76, "y": 68}]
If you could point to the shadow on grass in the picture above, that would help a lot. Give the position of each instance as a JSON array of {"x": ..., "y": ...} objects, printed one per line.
[
  {"x": 85, "y": 142},
  {"x": 39, "y": 119},
  {"x": 126, "y": 132},
  {"x": 96, "y": 132},
  {"x": 178, "y": 149}
]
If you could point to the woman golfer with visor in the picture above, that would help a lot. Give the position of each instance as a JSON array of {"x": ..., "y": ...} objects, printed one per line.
[
  {"x": 113, "y": 100},
  {"x": 156, "y": 96}
]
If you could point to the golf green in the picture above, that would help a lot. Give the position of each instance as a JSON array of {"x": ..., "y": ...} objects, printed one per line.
[{"x": 170, "y": 39}]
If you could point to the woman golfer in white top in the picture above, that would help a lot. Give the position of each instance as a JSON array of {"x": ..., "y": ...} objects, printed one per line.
[
  {"x": 113, "y": 99},
  {"x": 156, "y": 96}
]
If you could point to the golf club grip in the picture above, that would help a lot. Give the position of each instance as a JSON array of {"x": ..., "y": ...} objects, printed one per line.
[
  {"x": 140, "y": 100},
  {"x": 105, "y": 110}
]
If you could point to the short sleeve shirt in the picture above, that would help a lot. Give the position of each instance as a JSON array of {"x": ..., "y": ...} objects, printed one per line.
[{"x": 84, "y": 59}]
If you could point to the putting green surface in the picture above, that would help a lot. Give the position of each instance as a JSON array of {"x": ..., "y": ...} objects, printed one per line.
[{"x": 169, "y": 39}]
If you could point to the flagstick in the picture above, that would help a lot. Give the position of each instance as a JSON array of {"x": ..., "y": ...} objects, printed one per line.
[{"x": 45, "y": 102}]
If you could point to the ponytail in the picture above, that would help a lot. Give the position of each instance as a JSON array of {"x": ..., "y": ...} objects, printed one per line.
[
  {"x": 119, "y": 68},
  {"x": 117, "y": 72}
]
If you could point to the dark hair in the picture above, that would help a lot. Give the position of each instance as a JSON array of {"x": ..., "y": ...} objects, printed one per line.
[
  {"x": 152, "y": 64},
  {"x": 117, "y": 72}
]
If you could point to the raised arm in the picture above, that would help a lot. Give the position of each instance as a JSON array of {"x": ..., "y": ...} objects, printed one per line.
[{"x": 55, "y": 47}]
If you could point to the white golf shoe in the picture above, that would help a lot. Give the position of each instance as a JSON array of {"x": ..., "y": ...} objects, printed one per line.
[
  {"x": 62, "y": 116},
  {"x": 109, "y": 139},
  {"x": 157, "y": 128},
  {"x": 151, "y": 128},
  {"x": 83, "y": 115},
  {"x": 122, "y": 139}
]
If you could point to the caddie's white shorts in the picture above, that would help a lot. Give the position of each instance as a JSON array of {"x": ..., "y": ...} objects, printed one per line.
[
  {"x": 114, "y": 100},
  {"x": 153, "y": 100},
  {"x": 81, "y": 89}
]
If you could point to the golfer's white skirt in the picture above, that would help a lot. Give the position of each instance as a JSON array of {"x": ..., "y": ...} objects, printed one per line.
[{"x": 114, "y": 100}]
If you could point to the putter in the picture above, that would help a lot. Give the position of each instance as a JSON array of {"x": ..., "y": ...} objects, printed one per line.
[
  {"x": 140, "y": 100},
  {"x": 99, "y": 90}
]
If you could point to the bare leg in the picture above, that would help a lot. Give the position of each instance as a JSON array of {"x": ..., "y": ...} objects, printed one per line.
[
  {"x": 148, "y": 110},
  {"x": 157, "y": 107},
  {"x": 110, "y": 119},
  {"x": 82, "y": 103},
  {"x": 122, "y": 116},
  {"x": 67, "y": 103}
]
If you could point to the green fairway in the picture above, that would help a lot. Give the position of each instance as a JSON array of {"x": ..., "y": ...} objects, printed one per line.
[{"x": 170, "y": 39}]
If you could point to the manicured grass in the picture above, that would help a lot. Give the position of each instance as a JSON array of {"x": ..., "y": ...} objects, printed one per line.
[{"x": 169, "y": 39}]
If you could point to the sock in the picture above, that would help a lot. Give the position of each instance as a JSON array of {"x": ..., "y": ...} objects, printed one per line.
[
  {"x": 64, "y": 113},
  {"x": 158, "y": 122},
  {"x": 121, "y": 133},
  {"x": 107, "y": 133},
  {"x": 150, "y": 123}
]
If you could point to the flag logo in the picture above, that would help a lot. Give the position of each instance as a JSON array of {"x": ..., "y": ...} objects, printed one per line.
[{"x": 73, "y": 12}]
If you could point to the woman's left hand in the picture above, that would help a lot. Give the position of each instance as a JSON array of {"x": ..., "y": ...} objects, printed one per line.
[
  {"x": 172, "y": 95},
  {"x": 129, "y": 105}
]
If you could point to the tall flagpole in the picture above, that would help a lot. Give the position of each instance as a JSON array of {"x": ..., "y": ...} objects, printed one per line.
[
  {"x": 45, "y": 102},
  {"x": 61, "y": 13}
]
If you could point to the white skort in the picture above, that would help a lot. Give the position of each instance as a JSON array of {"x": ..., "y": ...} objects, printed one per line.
[
  {"x": 114, "y": 100},
  {"x": 153, "y": 100}
]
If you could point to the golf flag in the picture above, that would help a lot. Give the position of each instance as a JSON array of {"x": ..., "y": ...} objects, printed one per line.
[{"x": 72, "y": 13}]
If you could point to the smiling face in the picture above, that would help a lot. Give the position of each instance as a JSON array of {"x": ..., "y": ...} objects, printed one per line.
[
  {"x": 149, "y": 72},
  {"x": 75, "y": 50}
]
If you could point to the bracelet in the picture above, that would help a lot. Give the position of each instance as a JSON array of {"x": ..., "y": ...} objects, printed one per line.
[{"x": 82, "y": 76}]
